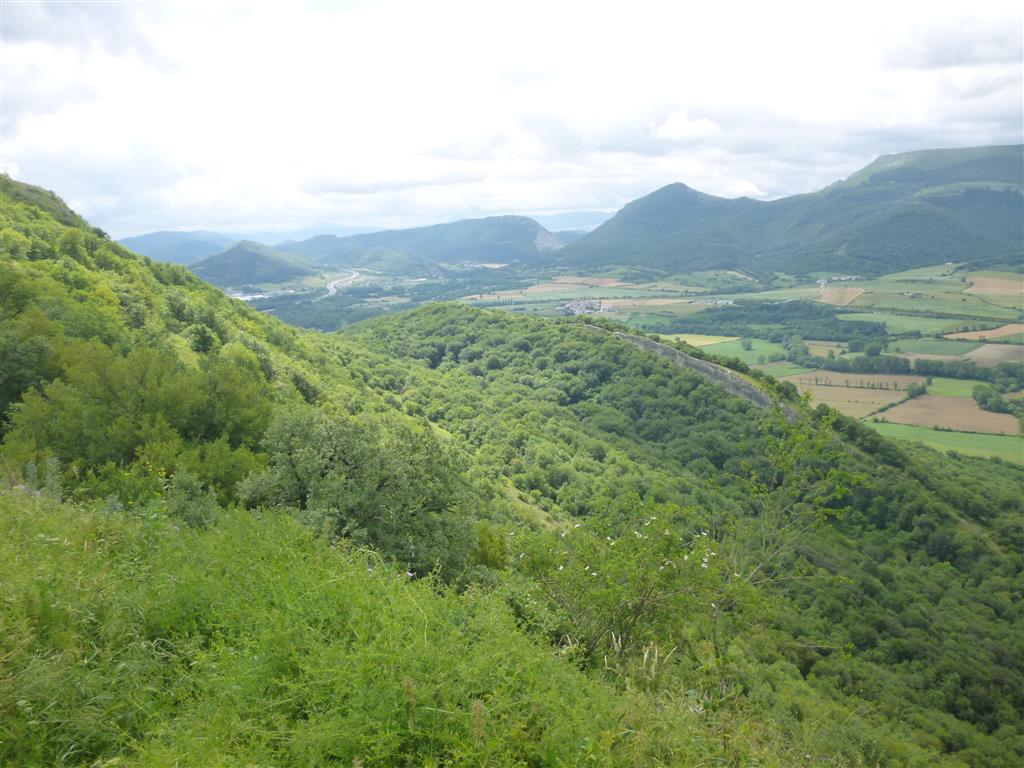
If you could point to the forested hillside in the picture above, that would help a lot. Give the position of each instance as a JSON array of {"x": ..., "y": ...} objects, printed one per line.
[
  {"x": 459, "y": 537},
  {"x": 901, "y": 211}
]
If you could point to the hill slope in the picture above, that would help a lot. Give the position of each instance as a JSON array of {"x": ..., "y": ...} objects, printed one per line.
[
  {"x": 901, "y": 211},
  {"x": 249, "y": 263},
  {"x": 427, "y": 250},
  {"x": 514, "y": 541},
  {"x": 179, "y": 247}
]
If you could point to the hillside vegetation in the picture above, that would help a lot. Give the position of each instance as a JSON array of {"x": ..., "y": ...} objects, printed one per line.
[
  {"x": 902, "y": 211},
  {"x": 249, "y": 263},
  {"x": 427, "y": 250},
  {"x": 459, "y": 537}
]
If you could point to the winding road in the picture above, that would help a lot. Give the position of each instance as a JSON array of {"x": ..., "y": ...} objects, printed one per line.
[{"x": 334, "y": 285}]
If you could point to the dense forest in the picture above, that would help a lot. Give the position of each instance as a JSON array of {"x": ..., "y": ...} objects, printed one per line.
[{"x": 455, "y": 536}]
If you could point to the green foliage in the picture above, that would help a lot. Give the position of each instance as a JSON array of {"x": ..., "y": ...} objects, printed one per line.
[
  {"x": 860, "y": 604},
  {"x": 377, "y": 482}
]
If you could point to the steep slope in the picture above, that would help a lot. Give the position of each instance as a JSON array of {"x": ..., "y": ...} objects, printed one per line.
[
  {"x": 515, "y": 541},
  {"x": 901, "y": 211},
  {"x": 179, "y": 247},
  {"x": 249, "y": 263},
  {"x": 427, "y": 250}
]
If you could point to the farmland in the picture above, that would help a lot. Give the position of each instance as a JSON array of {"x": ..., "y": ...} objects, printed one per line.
[
  {"x": 957, "y": 413},
  {"x": 856, "y": 394},
  {"x": 1006, "y": 447},
  {"x": 991, "y": 355},
  {"x": 760, "y": 351},
  {"x": 1002, "y": 332}
]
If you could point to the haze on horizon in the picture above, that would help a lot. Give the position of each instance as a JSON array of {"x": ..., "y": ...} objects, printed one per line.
[{"x": 238, "y": 117}]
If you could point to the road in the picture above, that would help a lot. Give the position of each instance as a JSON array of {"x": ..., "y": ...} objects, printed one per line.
[{"x": 334, "y": 285}]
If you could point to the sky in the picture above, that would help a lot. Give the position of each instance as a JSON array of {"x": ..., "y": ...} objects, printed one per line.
[{"x": 274, "y": 116}]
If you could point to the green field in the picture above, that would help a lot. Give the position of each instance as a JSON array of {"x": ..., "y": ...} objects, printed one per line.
[
  {"x": 940, "y": 302},
  {"x": 751, "y": 356},
  {"x": 952, "y": 387},
  {"x": 905, "y": 323},
  {"x": 779, "y": 370},
  {"x": 934, "y": 346},
  {"x": 1007, "y": 447}
]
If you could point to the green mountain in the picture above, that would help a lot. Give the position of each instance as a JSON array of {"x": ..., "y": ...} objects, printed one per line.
[
  {"x": 179, "y": 247},
  {"x": 429, "y": 250},
  {"x": 461, "y": 537},
  {"x": 249, "y": 263},
  {"x": 902, "y": 211}
]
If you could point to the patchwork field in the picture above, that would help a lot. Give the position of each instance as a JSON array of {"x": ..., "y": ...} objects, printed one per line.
[
  {"x": 698, "y": 339},
  {"x": 953, "y": 387},
  {"x": 995, "y": 284},
  {"x": 905, "y": 323},
  {"x": 839, "y": 296},
  {"x": 783, "y": 369},
  {"x": 991, "y": 355},
  {"x": 853, "y": 394},
  {"x": 758, "y": 349},
  {"x": 955, "y": 348},
  {"x": 958, "y": 413},
  {"x": 870, "y": 381},
  {"x": 1006, "y": 447},
  {"x": 822, "y": 348},
  {"x": 1010, "y": 329},
  {"x": 851, "y": 401}
]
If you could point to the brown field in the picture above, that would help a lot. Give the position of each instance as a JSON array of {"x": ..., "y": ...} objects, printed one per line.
[
  {"x": 872, "y": 382},
  {"x": 991, "y": 355},
  {"x": 821, "y": 348},
  {"x": 924, "y": 356},
  {"x": 995, "y": 333},
  {"x": 839, "y": 297},
  {"x": 1014, "y": 395},
  {"x": 851, "y": 401},
  {"x": 995, "y": 286},
  {"x": 959, "y": 413}
]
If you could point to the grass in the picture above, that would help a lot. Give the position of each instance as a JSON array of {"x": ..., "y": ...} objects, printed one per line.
[
  {"x": 779, "y": 370},
  {"x": 952, "y": 387},
  {"x": 751, "y": 356},
  {"x": 1007, "y": 447},
  {"x": 134, "y": 640},
  {"x": 934, "y": 346}
]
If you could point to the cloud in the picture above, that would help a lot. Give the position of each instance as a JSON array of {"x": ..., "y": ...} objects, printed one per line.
[
  {"x": 679, "y": 126},
  {"x": 240, "y": 116}
]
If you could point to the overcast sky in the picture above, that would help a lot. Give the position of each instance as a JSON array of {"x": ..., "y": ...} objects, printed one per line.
[{"x": 176, "y": 115}]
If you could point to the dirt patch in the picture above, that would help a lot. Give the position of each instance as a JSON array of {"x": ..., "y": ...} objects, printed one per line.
[
  {"x": 995, "y": 286},
  {"x": 851, "y": 401},
  {"x": 959, "y": 413},
  {"x": 995, "y": 333},
  {"x": 991, "y": 355},
  {"x": 839, "y": 297}
]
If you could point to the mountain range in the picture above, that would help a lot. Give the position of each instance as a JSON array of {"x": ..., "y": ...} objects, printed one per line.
[{"x": 900, "y": 212}]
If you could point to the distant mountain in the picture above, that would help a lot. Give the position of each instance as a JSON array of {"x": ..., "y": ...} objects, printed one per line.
[
  {"x": 899, "y": 212},
  {"x": 429, "y": 250},
  {"x": 583, "y": 221},
  {"x": 179, "y": 247},
  {"x": 250, "y": 263}
]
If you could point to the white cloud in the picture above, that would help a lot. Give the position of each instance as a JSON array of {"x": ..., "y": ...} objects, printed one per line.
[
  {"x": 251, "y": 116},
  {"x": 679, "y": 126}
]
